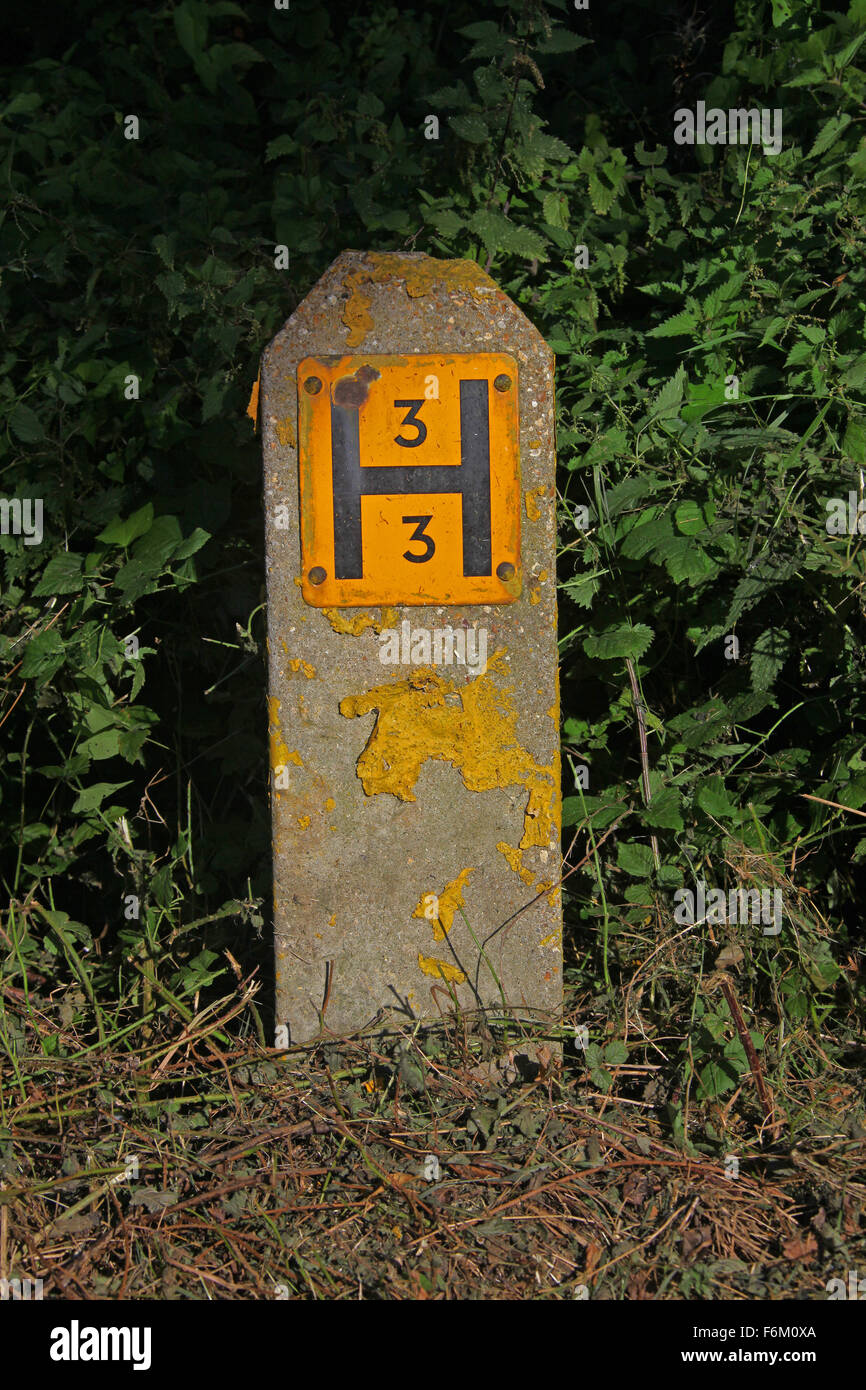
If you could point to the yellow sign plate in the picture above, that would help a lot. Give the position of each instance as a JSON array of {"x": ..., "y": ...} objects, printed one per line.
[{"x": 409, "y": 480}]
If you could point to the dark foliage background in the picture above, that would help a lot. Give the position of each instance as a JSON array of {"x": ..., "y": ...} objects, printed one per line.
[{"x": 145, "y": 776}]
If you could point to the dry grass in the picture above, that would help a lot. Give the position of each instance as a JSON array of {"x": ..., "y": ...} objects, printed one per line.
[{"x": 309, "y": 1174}]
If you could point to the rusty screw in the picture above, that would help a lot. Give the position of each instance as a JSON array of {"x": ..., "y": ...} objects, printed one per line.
[
  {"x": 313, "y": 386},
  {"x": 502, "y": 383},
  {"x": 505, "y": 571},
  {"x": 317, "y": 575}
]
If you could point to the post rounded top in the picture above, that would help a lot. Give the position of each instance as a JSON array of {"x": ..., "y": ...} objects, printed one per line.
[{"x": 364, "y": 293}]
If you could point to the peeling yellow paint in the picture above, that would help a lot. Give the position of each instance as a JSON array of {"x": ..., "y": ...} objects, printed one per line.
[
  {"x": 253, "y": 405},
  {"x": 330, "y": 804},
  {"x": 296, "y": 664},
  {"x": 553, "y": 713},
  {"x": 533, "y": 511},
  {"x": 353, "y": 627},
  {"x": 332, "y": 920},
  {"x": 440, "y": 969},
  {"x": 554, "y": 939},
  {"x": 286, "y": 432},
  {"x": 280, "y": 754},
  {"x": 472, "y": 727},
  {"x": 421, "y": 274},
  {"x": 513, "y": 856},
  {"x": 535, "y": 591},
  {"x": 439, "y": 908},
  {"x": 356, "y": 311},
  {"x": 304, "y": 822}
]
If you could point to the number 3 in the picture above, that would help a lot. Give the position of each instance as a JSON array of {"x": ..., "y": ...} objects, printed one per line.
[
  {"x": 410, "y": 419},
  {"x": 419, "y": 534}
]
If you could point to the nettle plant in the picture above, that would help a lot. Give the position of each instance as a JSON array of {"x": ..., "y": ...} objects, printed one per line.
[{"x": 706, "y": 307}]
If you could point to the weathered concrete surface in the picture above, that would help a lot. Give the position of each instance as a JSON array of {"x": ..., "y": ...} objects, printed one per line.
[{"x": 396, "y": 783}]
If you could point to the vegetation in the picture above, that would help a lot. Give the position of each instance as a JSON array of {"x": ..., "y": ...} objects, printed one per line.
[{"x": 706, "y": 304}]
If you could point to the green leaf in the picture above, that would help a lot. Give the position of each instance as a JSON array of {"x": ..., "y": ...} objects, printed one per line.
[
  {"x": 618, "y": 641},
  {"x": 829, "y": 132},
  {"x": 555, "y": 210},
  {"x": 193, "y": 543},
  {"x": 500, "y": 234},
  {"x": 446, "y": 222},
  {"x": 101, "y": 745},
  {"x": 682, "y": 323},
  {"x": 172, "y": 285},
  {"x": 854, "y": 443},
  {"x": 561, "y": 41},
  {"x": 26, "y": 424},
  {"x": 717, "y": 1078},
  {"x": 713, "y": 799},
  {"x": 616, "y": 1054},
  {"x": 820, "y": 965},
  {"x": 63, "y": 575},
  {"x": 634, "y": 858},
  {"x": 664, "y": 810},
  {"x": 769, "y": 655},
  {"x": 159, "y": 542},
  {"x": 650, "y": 157},
  {"x": 44, "y": 656},
  {"x": 690, "y": 518},
  {"x": 650, "y": 536},
  {"x": 284, "y": 144},
  {"x": 667, "y": 402},
  {"x": 164, "y": 248},
  {"x": 93, "y": 796},
  {"x": 21, "y": 104},
  {"x": 123, "y": 533},
  {"x": 469, "y": 127}
]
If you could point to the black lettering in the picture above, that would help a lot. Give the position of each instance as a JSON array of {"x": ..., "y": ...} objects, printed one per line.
[
  {"x": 419, "y": 534},
  {"x": 410, "y": 419},
  {"x": 470, "y": 481}
]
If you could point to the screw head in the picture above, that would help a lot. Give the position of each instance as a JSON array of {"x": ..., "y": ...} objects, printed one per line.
[
  {"x": 505, "y": 571},
  {"x": 317, "y": 575},
  {"x": 312, "y": 385},
  {"x": 502, "y": 382}
]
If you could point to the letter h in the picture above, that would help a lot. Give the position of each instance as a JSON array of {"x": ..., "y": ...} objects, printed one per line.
[{"x": 471, "y": 481}]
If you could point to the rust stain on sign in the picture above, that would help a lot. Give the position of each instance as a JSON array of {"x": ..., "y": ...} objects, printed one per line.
[{"x": 409, "y": 479}]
